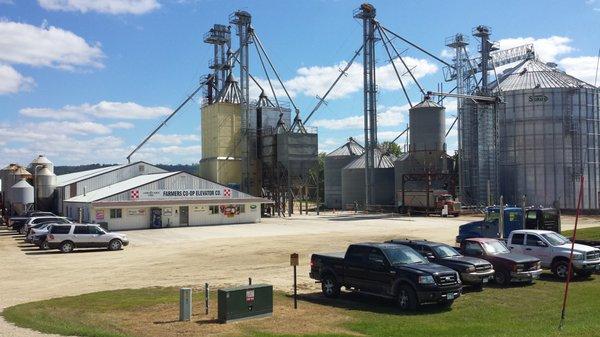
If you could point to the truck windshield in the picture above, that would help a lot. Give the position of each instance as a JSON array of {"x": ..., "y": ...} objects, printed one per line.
[
  {"x": 403, "y": 255},
  {"x": 556, "y": 239},
  {"x": 493, "y": 247},
  {"x": 445, "y": 251},
  {"x": 492, "y": 216}
]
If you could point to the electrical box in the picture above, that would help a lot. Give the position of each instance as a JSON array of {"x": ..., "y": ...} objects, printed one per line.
[{"x": 245, "y": 302}]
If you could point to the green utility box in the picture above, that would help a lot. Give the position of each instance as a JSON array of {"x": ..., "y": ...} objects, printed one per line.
[{"x": 245, "y": 302}]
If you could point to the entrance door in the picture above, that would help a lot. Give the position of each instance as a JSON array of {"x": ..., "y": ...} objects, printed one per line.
[{"x": 184, "y": 215}]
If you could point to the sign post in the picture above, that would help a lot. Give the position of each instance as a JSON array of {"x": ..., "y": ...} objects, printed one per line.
[{"x": 294, "y": 260}]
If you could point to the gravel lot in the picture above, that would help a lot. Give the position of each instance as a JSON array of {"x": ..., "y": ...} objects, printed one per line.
[{"x": 219, "y": 255}]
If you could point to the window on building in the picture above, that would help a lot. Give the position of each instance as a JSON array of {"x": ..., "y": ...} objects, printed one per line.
[
  {"x": 242, "y": 208},
  {"x": 141, "y": 168},
  {"x": 213, "y": 209},
  {"x": 115, "y": 213}
]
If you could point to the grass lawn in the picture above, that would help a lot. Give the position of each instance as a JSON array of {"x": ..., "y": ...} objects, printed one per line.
[
  {"x": 515, "y": 311},
  {"x": 591, "y": 233}
]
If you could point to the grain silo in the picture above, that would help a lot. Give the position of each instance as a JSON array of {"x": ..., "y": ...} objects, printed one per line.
[
  {"x": 21, "y": 196},
  {"x": 335, "y": 161},
  {"x": 353, "y": 182},
  {"x": 221, "y": 137},
  {"x": 549, "y": 133},
  {"x": 424, "y": 171}
]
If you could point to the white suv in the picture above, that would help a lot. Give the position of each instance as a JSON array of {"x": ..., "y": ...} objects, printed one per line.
[
  {"x": 553, "y": 250},
  {"x": 24, "y": 230},
  {"x": 71, "y": 236}
]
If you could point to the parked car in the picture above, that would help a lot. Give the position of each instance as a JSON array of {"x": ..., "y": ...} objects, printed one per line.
[
  {"x": 23, "y": 218},
  {"x": 554, "y": 250},
  {"x": 509, "y": 267},
  {"x": 386, "y": 270},
  {"x": 32, "y": 221},
  {"x": 36, "y": 230},
  {"x": 473, "y": 271},
  {"x": 40, "y": 240},
  {"x": 67, "y": 237}
]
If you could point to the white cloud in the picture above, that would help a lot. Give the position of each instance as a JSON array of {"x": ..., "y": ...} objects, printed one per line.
[
  {"x": 103, "y": 109},
  {"x": 391, "y": 116},
  {"x": 121, "y": 125},
  {"x": 582, "y": 67},
  {"x": 547, "y": 49},
  {"x": 315, "y": 80},
  {"x": 102, "y": 6},
  {"x": 21, "y": 43},
  {"x": 174, "y": 139},
  {"x": 12, "y": 81}
]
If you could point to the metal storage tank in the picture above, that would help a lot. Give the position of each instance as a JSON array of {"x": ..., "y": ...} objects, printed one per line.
[
  {"x": 353, "y": 181},
  {"x": 43, "y": 161},
  {"x": 298, "y": 154},
  {"x": 7, "y": 175},
  {"x": 45, "y": 184},
  {"x": 21, "y": 196},
  {"x": 549, "y": 136},
  {"x": 427, "y": 148},
  {"x": 335, "y": 161}
]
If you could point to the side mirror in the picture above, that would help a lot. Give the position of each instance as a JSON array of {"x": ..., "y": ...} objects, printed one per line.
[{"x": 430, "y": 257}]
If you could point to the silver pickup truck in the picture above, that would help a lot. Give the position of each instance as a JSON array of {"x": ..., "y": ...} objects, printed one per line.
[{"x": 553, "y": 250}]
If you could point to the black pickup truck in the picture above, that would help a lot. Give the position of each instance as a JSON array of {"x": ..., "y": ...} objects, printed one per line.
[
  {"x": 386, "y": 270},
  {"x": 473, "y": 271}
]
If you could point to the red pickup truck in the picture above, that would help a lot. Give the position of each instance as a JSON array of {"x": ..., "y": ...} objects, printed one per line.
[{"x": 509, "y": 267}]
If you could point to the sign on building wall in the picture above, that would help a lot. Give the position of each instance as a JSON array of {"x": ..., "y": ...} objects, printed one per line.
[
  {"x": 137, "y": 211},
  {"x": 167, "y": 211},
  {"x": 100, "y": 214},
  {"x": 137, "y": 194},
  {"x": 200, "y": 208},
  {"x": 230, "y": 210}
]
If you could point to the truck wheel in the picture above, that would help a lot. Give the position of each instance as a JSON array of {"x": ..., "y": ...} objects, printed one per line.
[
  {"x": 502, "y": 278},
  {"x": 560, "y": 269},
  {"x": 407, "y": 299},
  {"x": 330, "y": 287},
  {"x": 66, "y": 247}
]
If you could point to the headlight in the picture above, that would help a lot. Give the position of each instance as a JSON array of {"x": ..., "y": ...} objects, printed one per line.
[
  {"x": 577, "y": 256},
  {"x": 470, "y": 269},
  {"x": 426, "y": 279}
]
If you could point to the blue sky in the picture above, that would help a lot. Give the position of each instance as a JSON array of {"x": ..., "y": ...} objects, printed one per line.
[{"x": 83, "y": 81}]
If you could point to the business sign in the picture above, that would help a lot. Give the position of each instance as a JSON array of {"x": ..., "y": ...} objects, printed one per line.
[
  {"x": 538, "y": 98},
  {"x": 199, "y": 208},
  {"x": 100, "y": 214},
  {"x": 249, "y": 296},
  {"x": 138, "y": 194},
  {"x": 230, "y": 210},
  {"x": 137, "y": 211}
]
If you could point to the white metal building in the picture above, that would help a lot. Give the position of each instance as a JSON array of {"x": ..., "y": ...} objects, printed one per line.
[
  {"x": 74, "y": 184},
  {"x": 166, "y": 199}
]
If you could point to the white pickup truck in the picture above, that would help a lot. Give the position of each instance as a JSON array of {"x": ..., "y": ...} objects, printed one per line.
[{"x": 553, "y": 251}]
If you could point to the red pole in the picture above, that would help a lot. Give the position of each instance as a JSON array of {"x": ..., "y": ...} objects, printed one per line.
[{"x": 579, "y": 201}]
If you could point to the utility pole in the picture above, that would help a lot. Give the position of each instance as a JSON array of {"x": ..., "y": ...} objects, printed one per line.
[{"x": 367, "y": 13}]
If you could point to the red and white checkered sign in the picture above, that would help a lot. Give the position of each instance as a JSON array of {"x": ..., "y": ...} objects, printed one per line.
[
  {"x": 135, "y": 194},
  {"x": 227, "y": 193}
]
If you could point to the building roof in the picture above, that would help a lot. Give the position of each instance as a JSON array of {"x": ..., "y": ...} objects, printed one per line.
[
  {"x": 351, "y": 148},
  {"x": 534, "y": 74},
  {"x": 120, "y": 187},
  {"x": 70, "y": 178},
  {"x": 381, "y": 161},
  {"x": 427, "y": 103}
]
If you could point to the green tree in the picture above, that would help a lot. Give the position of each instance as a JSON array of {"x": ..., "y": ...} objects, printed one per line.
[{"x": 391, "y": 148}]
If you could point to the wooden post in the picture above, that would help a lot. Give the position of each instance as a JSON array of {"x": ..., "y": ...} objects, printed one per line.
[{"x": 294, "y": 261}]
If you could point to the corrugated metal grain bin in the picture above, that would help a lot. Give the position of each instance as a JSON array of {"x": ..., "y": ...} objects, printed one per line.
[
  {"x": 297, "y": 152},
  {"x": 335, "y": 161},
  {"x": 549, "y": 136},
  {"x": 353, "y": 181}
]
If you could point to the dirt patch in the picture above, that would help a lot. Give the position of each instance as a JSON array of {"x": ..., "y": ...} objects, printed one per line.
[{"x": 162, "y": 320}]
